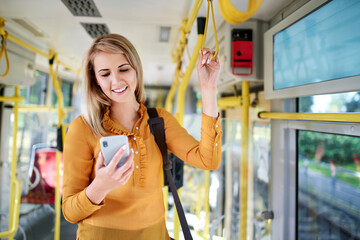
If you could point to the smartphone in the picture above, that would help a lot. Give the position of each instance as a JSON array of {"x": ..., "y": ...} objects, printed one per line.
[{"x": 110, "y": 145}]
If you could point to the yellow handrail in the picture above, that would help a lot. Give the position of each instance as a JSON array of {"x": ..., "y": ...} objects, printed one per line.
[
  {"x": 244, "y": 168},
  {"x": 36, "y": 108},
  {"x": 14, "y": 222},
  {"x": 210, "y": 4},
  {"x": 206, "y": 204},
  {"x": 35, "y": 50},
  {"x": 15, "y": 188},
  {"x": 234, "y": 16},
  {"x": 177, "y": 57},
  {"x": 180, "y": 102},
  {"x": 61, "y": 116},
  {"x": 186, "y": 28},
  {"x": 228, "y": 102},
  {"x": 179, "y": 115},
  {"x": 15, "y": 99},
  {"x": 172, "y": 91},
  {"x": 327, "y": 117},
  {"x": 28, "y": 46}
]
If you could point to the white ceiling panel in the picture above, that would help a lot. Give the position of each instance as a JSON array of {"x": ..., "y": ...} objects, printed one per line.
[{"x": 138, "y": 20}]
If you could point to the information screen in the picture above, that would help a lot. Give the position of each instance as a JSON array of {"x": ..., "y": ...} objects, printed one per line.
[{"x": 322, "y": 46}]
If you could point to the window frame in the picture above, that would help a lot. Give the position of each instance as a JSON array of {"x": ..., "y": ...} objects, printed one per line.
[{"x": 283, "y": 168}]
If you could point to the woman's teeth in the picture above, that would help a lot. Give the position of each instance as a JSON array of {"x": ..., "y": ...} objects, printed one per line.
[{"x": 119, "y": 90}]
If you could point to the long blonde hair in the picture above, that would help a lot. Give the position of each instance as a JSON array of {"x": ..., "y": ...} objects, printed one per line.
[{"x": 94, "y": 101}]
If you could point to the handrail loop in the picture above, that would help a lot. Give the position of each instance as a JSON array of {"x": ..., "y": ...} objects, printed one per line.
[
  {"x": 4, "y": 35},
  {"x": 234, "y": 16},
  {"x": 210, "y": 3}
]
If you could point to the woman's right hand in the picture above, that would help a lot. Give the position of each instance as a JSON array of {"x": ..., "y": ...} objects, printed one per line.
[{"x": 109, "y": 177}]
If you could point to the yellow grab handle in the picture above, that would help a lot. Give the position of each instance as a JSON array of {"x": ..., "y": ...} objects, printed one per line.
[{"x": 14, "y": 224}]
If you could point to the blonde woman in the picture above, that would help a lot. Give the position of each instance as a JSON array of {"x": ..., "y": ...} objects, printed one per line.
[{"x": 127, "y": 202}]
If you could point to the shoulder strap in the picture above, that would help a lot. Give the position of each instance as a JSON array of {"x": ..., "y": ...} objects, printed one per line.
[{"x": 157, "y": 128}]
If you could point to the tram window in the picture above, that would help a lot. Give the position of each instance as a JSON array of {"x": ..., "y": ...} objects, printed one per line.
[
  {"x": 330, "y": 103},
  {"x": 66, "y": 89},
  {"x": 261, "y": 158},
  {"x": 36, "y": 94},
  {"x": 328, "y": 186}
]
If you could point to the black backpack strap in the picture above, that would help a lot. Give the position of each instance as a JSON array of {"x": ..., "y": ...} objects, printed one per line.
[{"x": 157, "y": 128}]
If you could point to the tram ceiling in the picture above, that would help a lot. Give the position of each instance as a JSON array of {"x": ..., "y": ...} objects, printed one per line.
[{"x": 51, "y": 25}]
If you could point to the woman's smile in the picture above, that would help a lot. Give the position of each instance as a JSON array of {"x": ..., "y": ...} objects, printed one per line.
[{"x": 120, "y": 90}]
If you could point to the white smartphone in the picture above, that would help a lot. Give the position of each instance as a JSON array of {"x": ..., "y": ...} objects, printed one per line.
[{"x": 110, "y": 145}]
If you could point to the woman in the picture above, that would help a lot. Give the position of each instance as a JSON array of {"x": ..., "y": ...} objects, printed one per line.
[{"x": 127, "y": 202}]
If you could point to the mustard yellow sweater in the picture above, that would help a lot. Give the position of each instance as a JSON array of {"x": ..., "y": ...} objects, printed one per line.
[{"x": 135, "y": 210}]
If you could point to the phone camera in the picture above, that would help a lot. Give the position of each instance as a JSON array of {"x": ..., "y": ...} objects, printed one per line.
[{"x": 105, "y": 143}]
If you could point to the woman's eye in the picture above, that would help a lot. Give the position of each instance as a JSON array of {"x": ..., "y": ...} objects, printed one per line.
[
  {"x": 124, "y": 70},
  {"x": 105, "y": 75}
]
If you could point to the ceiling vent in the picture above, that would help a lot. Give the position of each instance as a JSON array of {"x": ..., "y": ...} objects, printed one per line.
[
  {"x": 82, "y": 8},
  {"x": 96, "y": 29}
]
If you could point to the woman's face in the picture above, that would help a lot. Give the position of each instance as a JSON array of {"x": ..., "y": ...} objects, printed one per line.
[{"x": 116, "y": 77}]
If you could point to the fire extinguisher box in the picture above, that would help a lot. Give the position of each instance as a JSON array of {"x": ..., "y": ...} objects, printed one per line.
[{"x": 241, "y": 52}]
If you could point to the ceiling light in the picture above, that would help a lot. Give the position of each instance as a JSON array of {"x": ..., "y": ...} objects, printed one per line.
[
  {"x": 164, "y": 34},
  {"x": 29, "y": 26}
]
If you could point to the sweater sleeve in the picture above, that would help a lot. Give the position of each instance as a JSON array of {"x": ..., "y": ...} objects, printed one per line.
[
  {"x": 78, "y": 167},
  {"x": 205, "y": 154}
]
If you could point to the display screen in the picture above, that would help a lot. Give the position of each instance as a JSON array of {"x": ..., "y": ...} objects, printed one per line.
[{"x": 322, "y": 46}]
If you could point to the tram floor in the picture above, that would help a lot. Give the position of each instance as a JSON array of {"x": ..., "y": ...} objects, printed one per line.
[{"x": 67, "y": 230}]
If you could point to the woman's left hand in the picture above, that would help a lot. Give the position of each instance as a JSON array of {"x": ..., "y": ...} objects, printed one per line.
[{"x": 208, "y": 69}]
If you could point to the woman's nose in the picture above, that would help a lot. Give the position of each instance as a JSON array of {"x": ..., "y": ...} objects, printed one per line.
[{"x": 115, "y": 78}]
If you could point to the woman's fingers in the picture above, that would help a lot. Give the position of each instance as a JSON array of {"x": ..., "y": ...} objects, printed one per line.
[
  {"x": 206, "y": 56},
  {"x": 100, "y": 162},
  {"x": 126, "y": 173},
  {"x": 126, "y": 169},
  {"x": 117, "y": 157}
]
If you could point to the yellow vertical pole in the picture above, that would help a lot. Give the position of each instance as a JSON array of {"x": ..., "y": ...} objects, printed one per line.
[
  {"x": 15, "y": 187},
  {"x": 206, "y": 204},
  {"x": 171, "y": 93},
  {"x": 180, "y": 100},
  {"x": 14, "y": 203},
  {"x": 244, "y": 158},
  {"x": 61, "y": 116},
  {"x": 179, "y": 115}
]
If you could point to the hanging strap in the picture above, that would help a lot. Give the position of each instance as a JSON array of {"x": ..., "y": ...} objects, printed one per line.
[
  {"x": 157, "y": 128},
  {"x": 4, "y": 51},
  {"x": 210, "y": 4}
]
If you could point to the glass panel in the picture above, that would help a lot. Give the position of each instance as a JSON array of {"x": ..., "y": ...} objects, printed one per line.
[
  {"x": 331, "y": 103},
  {"x": 261, "y": 158},
  {"x": 325, "y": 45},
  {"x": 224, "y": 211},
  {"x": 66, "y": 89},
  {"x": 36, "y": 94},
  {"x": 328, "y": 186}
]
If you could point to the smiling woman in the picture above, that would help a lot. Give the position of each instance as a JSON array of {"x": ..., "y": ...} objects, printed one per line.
[{"x": 127, "y": 202}]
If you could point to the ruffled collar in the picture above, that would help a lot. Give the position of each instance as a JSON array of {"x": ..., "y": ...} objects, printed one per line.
[{"x": 113, "y": 126}]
